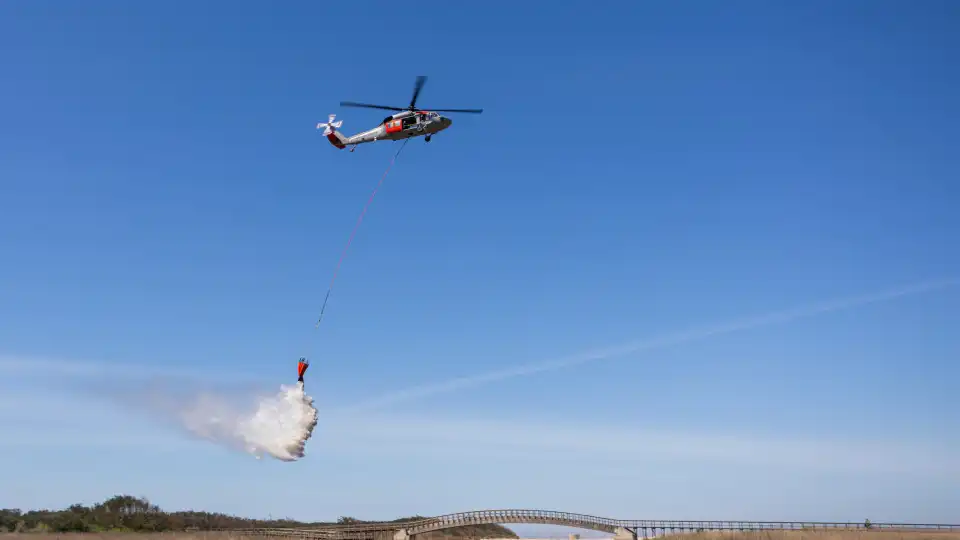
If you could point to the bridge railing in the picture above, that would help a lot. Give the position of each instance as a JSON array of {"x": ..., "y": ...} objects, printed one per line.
[{"x": 778, "y": 525}]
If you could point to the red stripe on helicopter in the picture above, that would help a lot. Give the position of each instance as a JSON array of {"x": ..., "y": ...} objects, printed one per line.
[{"x": 393, "y": 126}]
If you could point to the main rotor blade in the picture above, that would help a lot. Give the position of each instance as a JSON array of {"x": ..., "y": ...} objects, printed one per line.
[
  {"x": 458, "y": 110},
  {"x": 416, "y": 90},
  {"x": 369, "y": 106}
]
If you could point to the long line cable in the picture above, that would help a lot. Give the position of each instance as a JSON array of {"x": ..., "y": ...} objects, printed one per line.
[{"x": 343, "y": 254}]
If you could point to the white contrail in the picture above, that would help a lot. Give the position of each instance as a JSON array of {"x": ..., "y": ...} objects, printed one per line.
[{"x": 654, "y": 343}]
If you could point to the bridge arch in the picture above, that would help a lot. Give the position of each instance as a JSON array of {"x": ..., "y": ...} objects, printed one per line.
[{"x": 505, "y": 517}]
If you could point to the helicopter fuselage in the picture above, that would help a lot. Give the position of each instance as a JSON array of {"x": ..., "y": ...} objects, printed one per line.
[{"x": 402, "y": 125}]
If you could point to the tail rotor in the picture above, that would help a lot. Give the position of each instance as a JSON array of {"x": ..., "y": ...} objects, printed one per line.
[{"x": 330, "y": 126}]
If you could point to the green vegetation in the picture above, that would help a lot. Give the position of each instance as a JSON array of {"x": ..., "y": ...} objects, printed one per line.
[{"x": 125, "y": 513}]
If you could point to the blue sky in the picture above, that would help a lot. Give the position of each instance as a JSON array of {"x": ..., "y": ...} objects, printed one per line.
[{"x": 641, "y": 171}]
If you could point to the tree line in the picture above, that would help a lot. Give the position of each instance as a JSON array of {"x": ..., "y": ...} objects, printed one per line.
[
  {"x": 137, "y": 514},
  {"x": 125, "y": 513}
]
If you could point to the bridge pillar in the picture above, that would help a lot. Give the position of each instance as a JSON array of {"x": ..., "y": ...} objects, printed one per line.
[
  {"x": 625, "y": 534},
  {"x": 401, "y": 534},
  {"x": 383, "y": 535}
]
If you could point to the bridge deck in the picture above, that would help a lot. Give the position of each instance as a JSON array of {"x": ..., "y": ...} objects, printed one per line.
[{"x": 640, "y": 527}]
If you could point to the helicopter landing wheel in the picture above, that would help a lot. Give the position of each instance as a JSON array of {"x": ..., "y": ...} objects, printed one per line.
[{"x": 427, "y": 138}]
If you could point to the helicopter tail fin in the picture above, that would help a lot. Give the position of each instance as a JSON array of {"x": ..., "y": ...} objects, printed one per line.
[{"x": 331, "y": 133}]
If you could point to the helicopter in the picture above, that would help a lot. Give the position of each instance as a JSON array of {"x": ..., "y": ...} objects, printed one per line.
[{"x": 409, "y": 122}]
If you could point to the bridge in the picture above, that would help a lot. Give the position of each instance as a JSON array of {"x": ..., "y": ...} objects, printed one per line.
[{"x": 621, "y": 529}]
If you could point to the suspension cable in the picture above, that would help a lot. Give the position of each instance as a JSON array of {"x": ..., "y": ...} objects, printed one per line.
[{"x": 356, "y": 226}]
